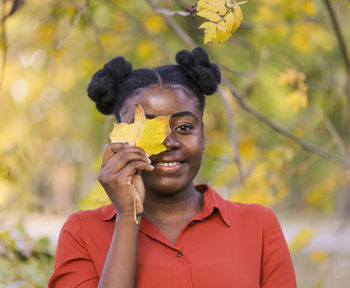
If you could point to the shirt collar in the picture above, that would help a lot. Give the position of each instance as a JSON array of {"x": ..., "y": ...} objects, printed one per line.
[{"x": 211, "y": 200}]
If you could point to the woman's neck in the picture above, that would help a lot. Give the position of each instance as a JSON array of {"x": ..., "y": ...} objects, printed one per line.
[{"x": 174, "y": 208}]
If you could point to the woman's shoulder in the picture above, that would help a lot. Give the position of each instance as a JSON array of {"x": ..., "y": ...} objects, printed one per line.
[
  {"x": 252, "y": 215},
  {"x": 90, "y": 217},
  {"x": 247, "y": 208}
]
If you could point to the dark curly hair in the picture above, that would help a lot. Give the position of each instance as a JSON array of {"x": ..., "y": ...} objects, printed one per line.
[{"x": 116, "y": 81}]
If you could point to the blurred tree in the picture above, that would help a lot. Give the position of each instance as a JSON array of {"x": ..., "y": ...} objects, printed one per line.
[{"x": 278, "y": 132}]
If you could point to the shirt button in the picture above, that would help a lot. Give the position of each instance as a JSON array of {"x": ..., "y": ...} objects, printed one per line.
[
  {"x": 192, "y": 223},
  {"x": 179, "y": 254}
]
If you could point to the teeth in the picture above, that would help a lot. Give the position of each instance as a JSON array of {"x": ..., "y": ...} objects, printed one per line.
[{"x": 168, "y": 164}]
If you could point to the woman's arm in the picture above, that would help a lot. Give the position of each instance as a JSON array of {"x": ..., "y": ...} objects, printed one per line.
[
  {"x": 121, "y": 179},
  {"x": 120, "y": 265}
]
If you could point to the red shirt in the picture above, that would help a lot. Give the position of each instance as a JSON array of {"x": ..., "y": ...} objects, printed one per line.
[{"x": 225, "y": 245}]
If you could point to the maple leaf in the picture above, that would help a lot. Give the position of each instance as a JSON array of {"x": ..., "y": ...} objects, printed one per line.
[
  {"x": 224, "y": 17},
  {"x": 148, "y": 134}
]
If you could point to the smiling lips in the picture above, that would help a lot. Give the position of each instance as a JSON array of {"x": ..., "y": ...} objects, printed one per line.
[
  {"x": 168, "y": 167},
  {"x": 167, "y": 164}
]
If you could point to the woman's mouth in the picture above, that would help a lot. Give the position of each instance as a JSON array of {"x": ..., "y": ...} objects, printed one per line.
[
  {"x": 168, "y": 167},
  {"x": 167, "y": 164}
]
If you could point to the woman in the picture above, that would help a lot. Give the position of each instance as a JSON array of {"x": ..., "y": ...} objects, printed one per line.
[{"x": 189, "y": 236}]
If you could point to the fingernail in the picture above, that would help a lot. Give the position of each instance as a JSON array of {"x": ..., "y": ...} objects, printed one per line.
[
  {"x": 131, "y": 143},
  {"x": 149, "y": 160},
  {"x": 147, "y": 154}
]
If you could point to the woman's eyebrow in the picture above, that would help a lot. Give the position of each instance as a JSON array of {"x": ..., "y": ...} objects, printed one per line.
[
  {"x": 184, "y": 113},
  {"x": 174, "y": 115}
]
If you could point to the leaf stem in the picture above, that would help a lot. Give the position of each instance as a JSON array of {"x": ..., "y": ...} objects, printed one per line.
[{"x": 135, "y": 217}]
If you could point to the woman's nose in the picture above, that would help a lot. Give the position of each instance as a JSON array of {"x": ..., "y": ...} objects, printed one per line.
[{"x": 171, "y": 142}]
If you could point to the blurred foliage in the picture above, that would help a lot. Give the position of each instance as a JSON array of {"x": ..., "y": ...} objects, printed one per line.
[
  {"x": 284, "y": 58},
  {"x": 24, "y": 262}
]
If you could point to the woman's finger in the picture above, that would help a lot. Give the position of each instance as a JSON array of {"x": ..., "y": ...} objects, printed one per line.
[
  {"x": 111, "y": 149},
  {"x": 135, "y": 166},
  {"x": 122, "y": 152},
  {"x": 118, "y": 162}
]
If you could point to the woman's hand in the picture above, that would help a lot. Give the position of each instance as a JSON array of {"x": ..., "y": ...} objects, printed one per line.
[{"x": 120, "y": 176}]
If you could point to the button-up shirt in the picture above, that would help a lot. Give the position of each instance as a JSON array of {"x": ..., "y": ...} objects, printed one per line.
[{"x": 226, "y": 244}]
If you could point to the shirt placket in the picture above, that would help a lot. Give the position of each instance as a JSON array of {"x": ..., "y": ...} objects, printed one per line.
[{"x": 182, "y": 273}]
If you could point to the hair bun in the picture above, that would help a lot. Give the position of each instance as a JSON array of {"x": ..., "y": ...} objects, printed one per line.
[
  {"x": 104, "y": 85},
  {"x": 196, "y": 64}
]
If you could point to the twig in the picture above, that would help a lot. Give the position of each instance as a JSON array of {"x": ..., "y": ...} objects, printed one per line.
[
  {"x": 183, "y": 35},
  {"x": 4, "y": 43},
  {"x": 338, "y": 33},
  {"x": 172, "y": 13},
  {"x": 330, "y": 127},
  {"x": 96, "y": 31},
  {"x": 66, "y": 36},
  {"x": 74, "y": 23},
  {"x": 16, "y": 5},
  {"x": 234, "y": 141}
]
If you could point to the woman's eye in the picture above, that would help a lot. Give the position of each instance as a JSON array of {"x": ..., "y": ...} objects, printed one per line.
[{"x": 183, "y": 128}]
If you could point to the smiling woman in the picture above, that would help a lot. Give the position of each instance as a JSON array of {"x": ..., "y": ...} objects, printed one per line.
[{"x": 189, "y": 236}]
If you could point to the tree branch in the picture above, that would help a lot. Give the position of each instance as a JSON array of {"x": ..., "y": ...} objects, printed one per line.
[
  {"x": 338, "y": 33},
  {"x": 96, "y": 30},
  {"x": 178, "y": 30},
  {"x": 333, "y": 131},
  {"x": 233, "y": 134},
  {"x": 66, "y": 36},
  {"x": 172, "y": 13},
  {"x": 74, "y": 24},
  {"x": 306, "y": 146}
]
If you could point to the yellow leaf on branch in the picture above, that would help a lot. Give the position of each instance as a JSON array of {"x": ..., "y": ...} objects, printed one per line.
[
  {"x": 224, "y": 17},
  {"x": 148, "y": 134}
]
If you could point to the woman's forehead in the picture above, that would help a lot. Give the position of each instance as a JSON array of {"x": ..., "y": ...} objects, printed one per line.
[{"x": 161, "y": 101}]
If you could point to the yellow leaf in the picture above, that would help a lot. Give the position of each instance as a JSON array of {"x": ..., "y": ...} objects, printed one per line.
[
  {"x": 207, "y": 25},
  {"x": 221, "y": 36},
  {"x": 302, "y": 239},
  {"x": 148, "y": 134},
  {"x": 213, "y": 10},
  {"x": 221, "y": 26},
  {"x": 212, "y": 16},
  {"x": 238, "y": 15},
  {"x": 212, "y": 5},
  {"x": 209, "y": 32},
  {"x": 229, "y": 21}
]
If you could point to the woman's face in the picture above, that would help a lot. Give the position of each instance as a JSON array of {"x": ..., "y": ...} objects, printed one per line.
[{"x": 176, "y": 167}]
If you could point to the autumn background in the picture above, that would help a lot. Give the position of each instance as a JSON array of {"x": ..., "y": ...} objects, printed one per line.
[{"x": 278, "y": 130}]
